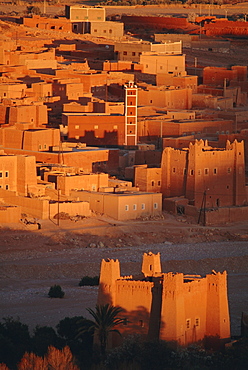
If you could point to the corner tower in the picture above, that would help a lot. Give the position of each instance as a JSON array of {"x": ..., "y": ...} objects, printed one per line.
[
  {"x": 151, "y": 264},
  {"x": 109, "y": 273}
]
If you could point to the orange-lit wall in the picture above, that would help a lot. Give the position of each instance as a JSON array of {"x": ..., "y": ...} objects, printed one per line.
[{"x": 167, "y": 306}]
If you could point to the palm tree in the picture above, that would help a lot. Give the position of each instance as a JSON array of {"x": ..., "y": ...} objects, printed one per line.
[{"x": 105, "y": 319}]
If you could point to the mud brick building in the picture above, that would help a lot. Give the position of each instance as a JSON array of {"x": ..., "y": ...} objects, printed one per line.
[
  {"x": 168, "y": 306},
  {"x": 202, "y": 172}
]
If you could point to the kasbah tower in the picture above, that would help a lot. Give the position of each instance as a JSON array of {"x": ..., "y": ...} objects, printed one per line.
[{"x": 168, "y": 306}]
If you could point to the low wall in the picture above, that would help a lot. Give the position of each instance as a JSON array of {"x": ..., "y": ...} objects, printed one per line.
[
  {"x": 41, "y": 208},
  {"x": 72, "y": 208},
  {"x": 32, "y": 206},
  {"x": 225, "y": 215},
  {"x": 9, "y": 214}
]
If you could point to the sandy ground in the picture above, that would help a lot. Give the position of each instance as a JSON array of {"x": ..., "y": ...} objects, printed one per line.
[{"x": 33, "y": 261}]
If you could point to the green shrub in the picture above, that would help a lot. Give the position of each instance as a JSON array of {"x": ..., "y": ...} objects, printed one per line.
[
  {"x": 56, "y": 292},
  {"x": 90, "y": 281}
]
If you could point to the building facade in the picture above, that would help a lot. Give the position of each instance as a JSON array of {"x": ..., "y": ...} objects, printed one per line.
[{"x": 168, "y": 306}]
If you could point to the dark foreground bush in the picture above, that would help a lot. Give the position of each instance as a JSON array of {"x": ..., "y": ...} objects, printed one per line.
[
  {"x": 90, "y": 281},
  {"x": 56, "y": 292}
]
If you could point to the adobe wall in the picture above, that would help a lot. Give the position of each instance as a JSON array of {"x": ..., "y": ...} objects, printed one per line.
[
  {"x": 154, "y": 63},
  {"x": 122, "y": 207},
  {"x": 26, "y": 176},
  {"x": 97, "y": 160},
  {"x": 36, "y": 21},
  {"x": 178, "y": 143},
  {"x": 218, "y": 216},
  {"x": 109, "y": 274},
  {"x": 139, "y": 205},
  {"x": 179, "y": 312},
  {"x": 9, "y": 214},
  {"x": 183, "y": 127},
  {"x": 182, "y": 82},
  {"x": 90, "y": 182},
  {"x": 157, "y": 23},
  {"x": 136, "y": 299},
  {"x": 205, "y": 167},
  {"x": 107, "y": 29},
  {"x": 8, "y": 172},
  {"x": 95, "y": 129},
  {"x": 31, "y": 206},
  {"x": 168, "y": 98},
  {"x": 95, "y": 199},
  {"x": 174, "y": 170},
  {"x": 225, "y": 27},
  {"x": 171, "y": 204},
  {"x": 166, "y": 306},
  {"x": 218, "y": 318},
  {"x": 81, "y": 13},
  {"x": 72, "y": 208},
  {"x": 147, "y": 179},
  {"x": 216, "y": 75}
]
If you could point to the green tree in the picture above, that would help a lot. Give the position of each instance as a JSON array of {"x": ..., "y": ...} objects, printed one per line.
[
  {"x": 45, "y": 336},
  {"x": 105, "y": 320},
  {"x": 14, "y": 341}
]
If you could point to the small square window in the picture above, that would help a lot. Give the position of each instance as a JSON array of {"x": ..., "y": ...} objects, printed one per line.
[
  {"x": 159, "y": 183},
  {"x": 115, "y": 127},
  {"x": 197, "y": 321},
  {"x": 188, "y": 324},
  {"x": 229, "y": 170},
  {"x": 1, "y": 174},
  {"x": 95, "y": 127},
  {"x": 77, "y": 127},
  {"x": 7, "y": 187},
  {"x": 124, "y": 53},
  {"x": 143, "y": 206},
  {"x": 133, "y": 53},
  {"x": 206, "y": 171},
  {"x": 6, "y": 173},
  {"x": 77, "y": 137},
  {"x": 155, "y": 205},
  {"x": 215, "y": 171},
  {"x": 126, "y": 207},
  {"x": 135, "y": 207}
]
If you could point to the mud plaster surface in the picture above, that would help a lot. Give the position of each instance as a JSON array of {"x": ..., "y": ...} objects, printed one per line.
[{"x": 33, "y": 261}]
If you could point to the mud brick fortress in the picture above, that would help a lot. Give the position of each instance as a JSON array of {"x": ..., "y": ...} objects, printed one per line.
[{"x": 168, "y": 306}]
